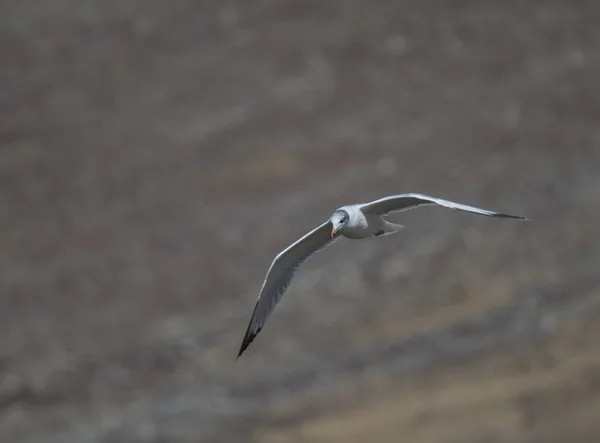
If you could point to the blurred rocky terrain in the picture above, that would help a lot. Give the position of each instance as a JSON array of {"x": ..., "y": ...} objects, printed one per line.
[{"x": 155, "y": 156}]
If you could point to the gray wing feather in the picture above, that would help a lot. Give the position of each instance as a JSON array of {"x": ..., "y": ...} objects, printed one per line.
[
  {"x": 280, "y": 274},
  {"x": 403, "y": 202}
]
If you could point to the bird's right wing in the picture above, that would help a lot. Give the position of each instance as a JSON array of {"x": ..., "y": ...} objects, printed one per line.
[{"x": 279, "y": 277}]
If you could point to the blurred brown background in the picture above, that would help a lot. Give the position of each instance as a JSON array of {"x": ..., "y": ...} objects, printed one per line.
[{"x": 155, "y": 156}]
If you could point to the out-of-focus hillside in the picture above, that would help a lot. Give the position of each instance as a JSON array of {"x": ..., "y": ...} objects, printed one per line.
[{"x": 155, "y": 156}]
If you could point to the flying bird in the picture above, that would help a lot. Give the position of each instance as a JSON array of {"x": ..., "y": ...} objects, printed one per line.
[{"x": 357, "y": 221}]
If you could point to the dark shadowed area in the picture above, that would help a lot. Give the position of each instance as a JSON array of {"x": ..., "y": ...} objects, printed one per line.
[{"x": 155, "y": 156}]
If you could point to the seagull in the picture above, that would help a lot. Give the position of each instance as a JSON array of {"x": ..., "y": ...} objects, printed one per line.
[{"x": 359, "y": 221}]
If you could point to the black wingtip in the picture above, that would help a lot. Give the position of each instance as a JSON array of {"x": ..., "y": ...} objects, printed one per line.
[
  {"x": 245, "y": 343},
  {"x": 248, "y": 338},
  {"x": 517, "y": 217}
]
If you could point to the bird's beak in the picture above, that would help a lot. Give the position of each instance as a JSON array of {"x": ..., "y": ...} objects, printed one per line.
[{"x": 333, "y": 231}]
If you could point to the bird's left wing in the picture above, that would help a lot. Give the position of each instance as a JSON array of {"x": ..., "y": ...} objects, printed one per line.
[
  {"x": 403, "y": 202},
  {"x": 279, "y": 277}
]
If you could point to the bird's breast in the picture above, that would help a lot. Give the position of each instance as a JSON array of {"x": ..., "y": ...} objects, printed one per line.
[{"x": 363, "y": 227}]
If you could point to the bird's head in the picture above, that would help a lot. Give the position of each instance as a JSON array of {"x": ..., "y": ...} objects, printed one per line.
[{"x": 339, "y": 219}]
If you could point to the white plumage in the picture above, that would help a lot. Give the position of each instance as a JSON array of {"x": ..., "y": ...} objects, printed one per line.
[{"x": 357, "y": 221}]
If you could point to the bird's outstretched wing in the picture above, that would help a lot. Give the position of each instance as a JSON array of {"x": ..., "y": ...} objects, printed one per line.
[
  {"x": 279, "y": 277},
  {"x": 403, "y": 202}
]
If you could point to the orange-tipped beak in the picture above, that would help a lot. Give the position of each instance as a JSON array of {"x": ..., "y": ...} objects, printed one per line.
[{"x": 333, "y": 231}]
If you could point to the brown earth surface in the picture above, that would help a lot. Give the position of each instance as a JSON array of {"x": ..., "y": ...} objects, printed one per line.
[{"x": 155, "y": 156}]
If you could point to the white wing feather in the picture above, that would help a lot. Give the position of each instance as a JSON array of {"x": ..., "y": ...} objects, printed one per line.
[
  {"x": 403, "y": 202},
  {"x": 280, "y": 274}
]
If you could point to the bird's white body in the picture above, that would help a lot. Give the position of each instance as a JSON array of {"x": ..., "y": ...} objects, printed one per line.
[
  {"x": 356, "y": 222},
  {"x": 360, "y": 225}
]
